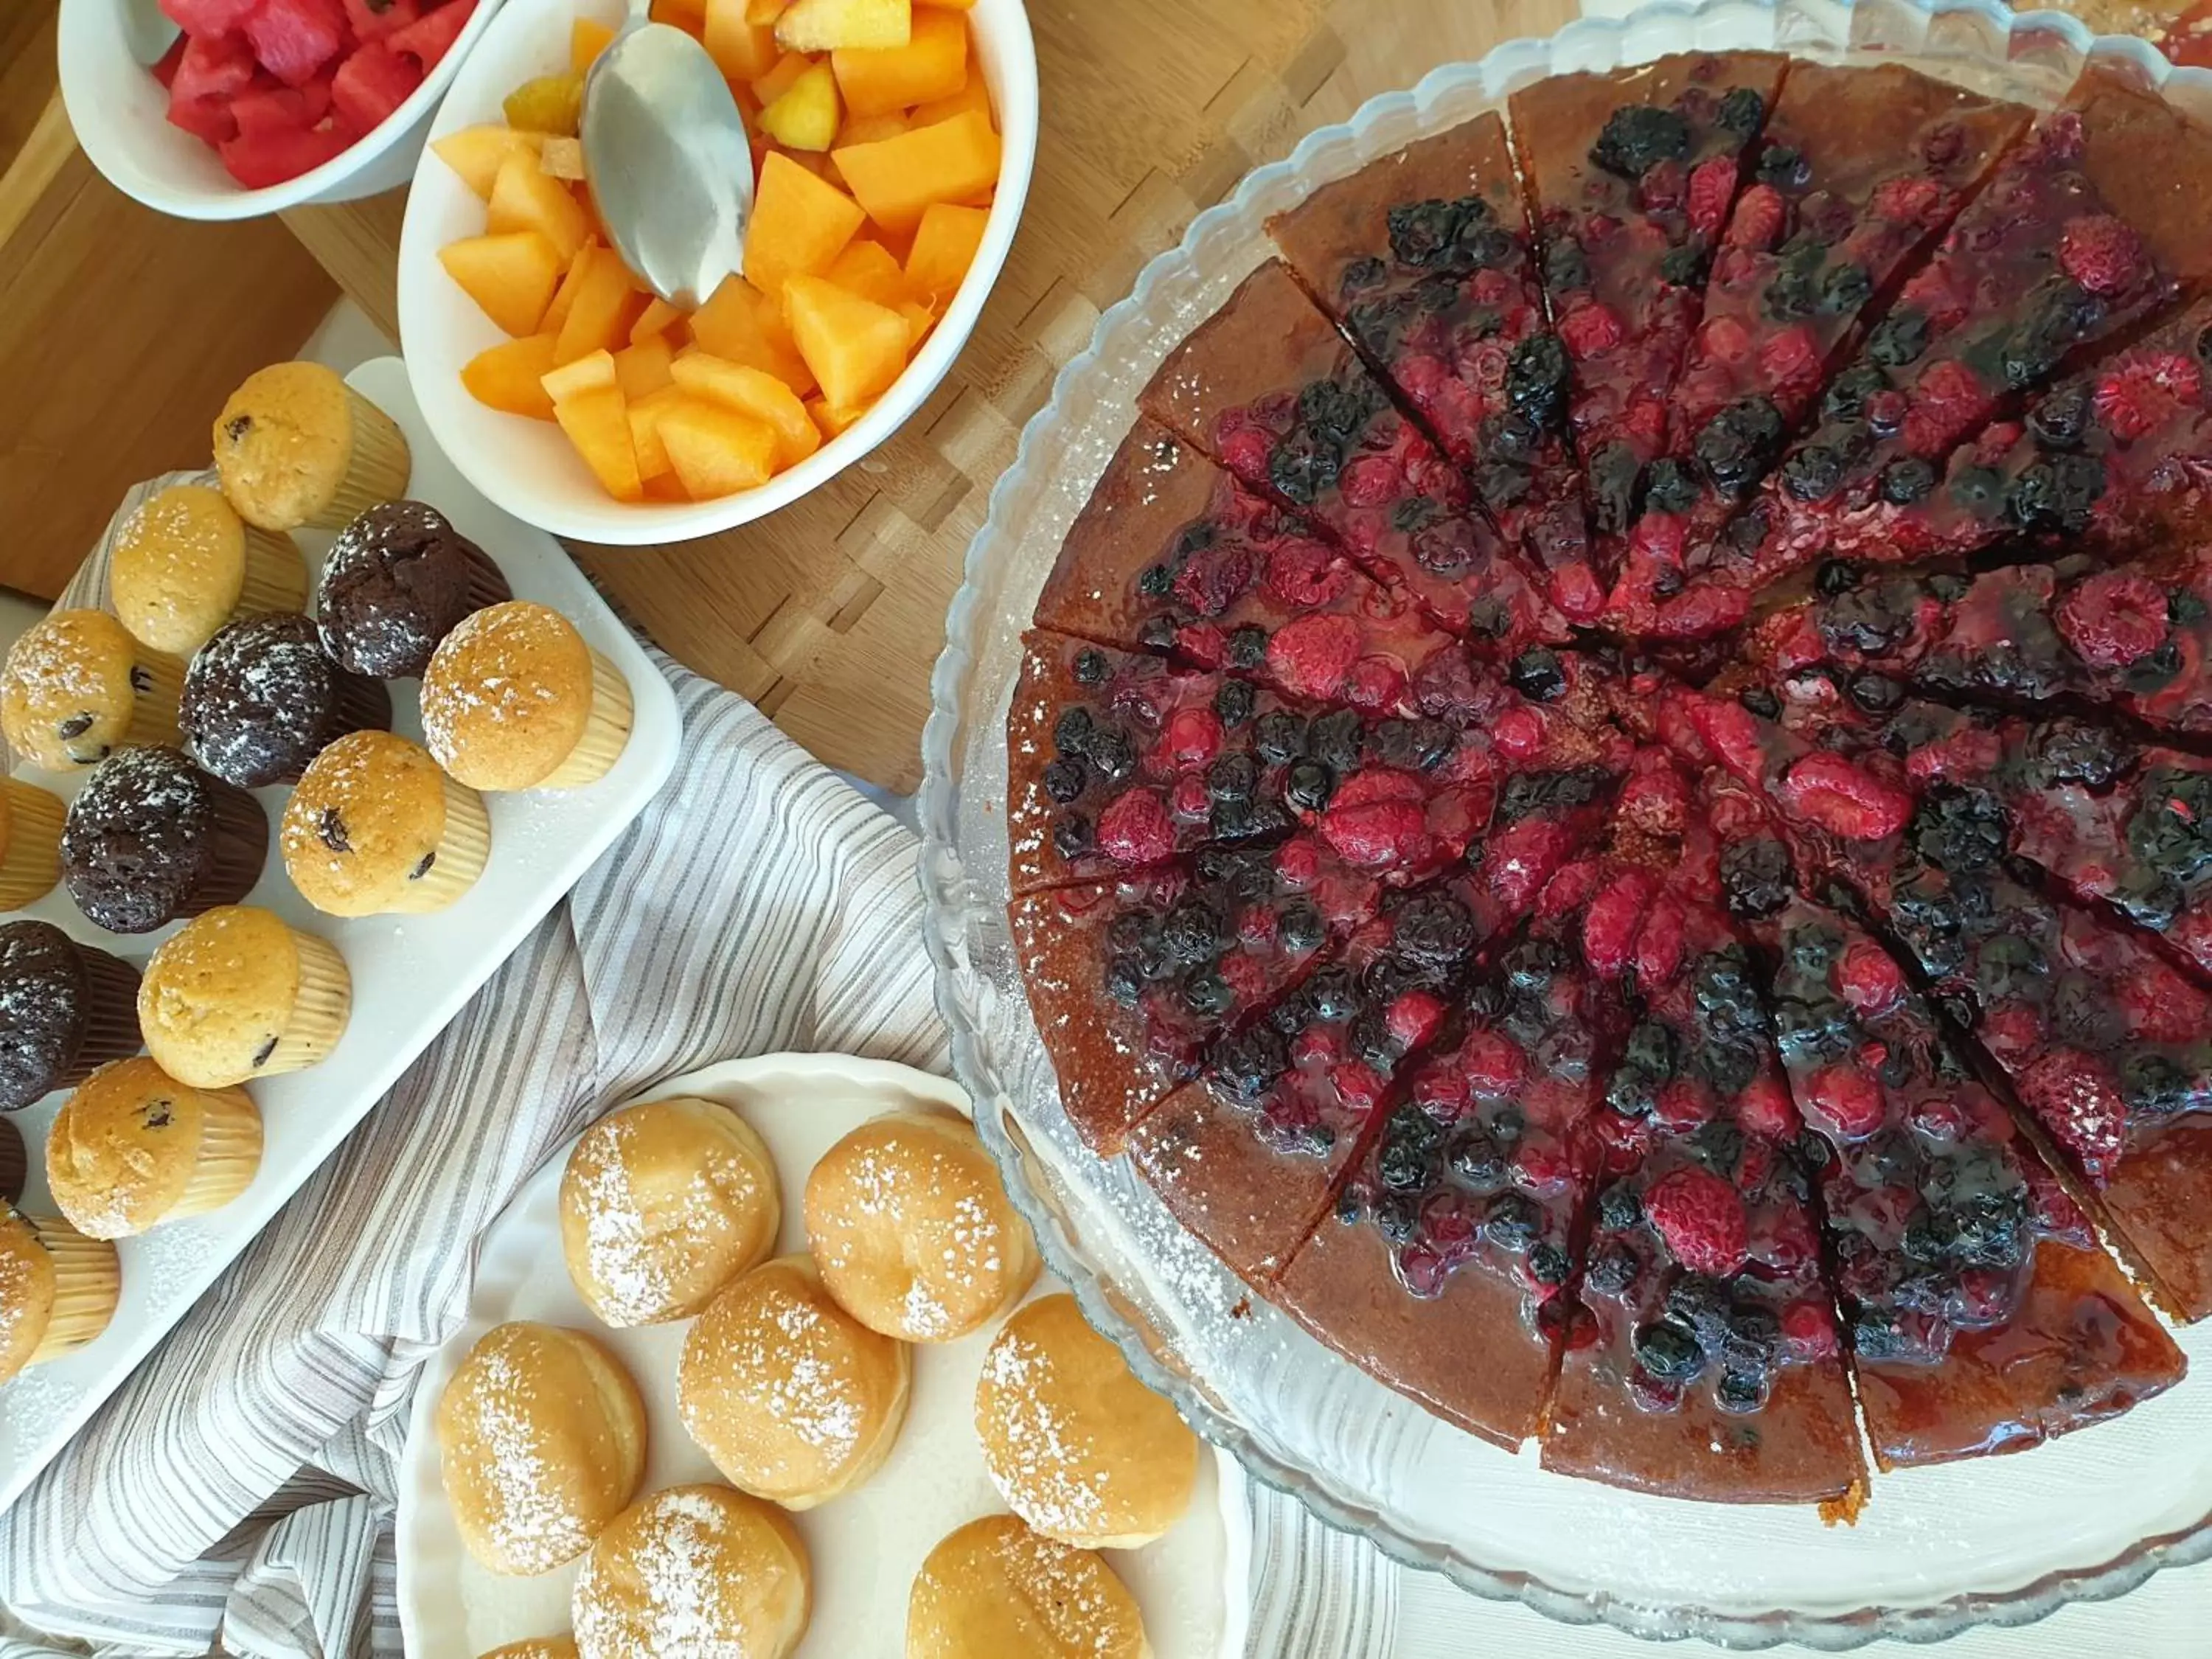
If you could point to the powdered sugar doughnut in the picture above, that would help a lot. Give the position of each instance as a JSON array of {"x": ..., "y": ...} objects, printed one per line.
[
  {"x": 694, "y": 1572},
  {"x": 998, "y": 1587}
]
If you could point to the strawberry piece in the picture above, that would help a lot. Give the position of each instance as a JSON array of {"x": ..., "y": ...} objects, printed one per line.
[
  {"x": 2146, "y": 390},
  {"x": 1869, "y": 978},
  {"x": 429, "y": 40},
  {"x": 2114, "y": 618},
  {"x": 1760, "y": 218},
  {"x": 2074, "y": 1097},
  {"x": 1312, "y": 655},
  {"x": 1589, "y": 330},
  {"x": 294, "y": 39},
  {"x": 1380, "y": 834},
  {"x": 1701, "y": 1217},
  {"x": 1844, "y": 1100},
  {"x": 1713, "y": 182},
  {"x": 1135, "y": 829},
  {"x": 1826, "y": 789},
  {"x": 2099, "y": 251}
]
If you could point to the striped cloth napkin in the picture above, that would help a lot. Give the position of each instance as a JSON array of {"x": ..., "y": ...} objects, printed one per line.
[{"x": 236, "y": 1495}]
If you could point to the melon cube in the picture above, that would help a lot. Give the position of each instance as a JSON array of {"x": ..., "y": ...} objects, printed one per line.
[
  {"x": 867, "y": 268},
  {"x": 682, "y": 14},
  {"x": 806, "y": 116},
  {"x": 945, "y": 245},
  {"x": 512, "y": 276},
  {"x": 833, "y": 422},
  {"x": 294, "y": 39},
  {"x": 563, "y": 159},
  {"x": 430, "y": 37},
  {"x": 764, "y": 11},
  {"x": 920, "y": 319},
  {"x": 854, "y": 346},
  {"x": 799, "y": 223},
  {"x": 371, "y": 83},
  {"x": 973, "y": 97},
  {"x": 587, "y": 38},
  {"x": 743, "y": 325},
  {"x": 210, "y": 120},
  {"x": 645, "y": 414},
  {"x": 750, "y": 392},
  {"x": 551, "y": 103},
  {"x": 208, "y": 19},
  {"x": 716, "y": 451},
  {"x": 591, "y": 372},
  {"x": 949, "y": 5},
  {"x": 523, "y": 198},
  {"x": 896, "y": 179},
  {"x": 657, "y": 320},
  {"x": 742, "y": 51},
  {"x": 868, "y": 128},
  {"x": 476, "y": 154},
  {"x": 780, "y": 78},
  {"x": 597, "y": 424},
  {"x": 510, "y": 376},
  {"x": 933, "y": 63},
  {"x": 826, "y": 25},
  {"x": 607, "y": 302},
  {"x": 218, "y": 67},
  {"x": 258, "y": 160},
  {"x": 279, "y": 108},
  {"x": 564, "y": 297},
  {"x": 643, "y": 368}
]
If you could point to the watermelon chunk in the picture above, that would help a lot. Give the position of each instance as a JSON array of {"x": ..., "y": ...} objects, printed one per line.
[
  {"x": 261, "y": 159},
  {"x": 208, "y": 17},
  {"x": 208, "y": 120},
  {"x": 294, "y": 39},
  {"x": 431, "y": 38},
  {"x": 372, "y": 19},
  {"x": 214, "y": 66},
  {"x": 166, "y": 70},
  {"x": 372, "y": 83},
  {"x": 275, "y": 107}
]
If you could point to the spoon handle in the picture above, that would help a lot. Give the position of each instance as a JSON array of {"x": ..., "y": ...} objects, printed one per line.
[{"x": 640, "y": 11}]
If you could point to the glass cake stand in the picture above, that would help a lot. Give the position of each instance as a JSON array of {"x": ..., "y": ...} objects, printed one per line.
[{"x": 2001, "y": 1540}]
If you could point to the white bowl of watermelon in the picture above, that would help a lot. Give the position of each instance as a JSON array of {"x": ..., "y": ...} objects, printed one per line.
[{"x": 263, "y": 105}]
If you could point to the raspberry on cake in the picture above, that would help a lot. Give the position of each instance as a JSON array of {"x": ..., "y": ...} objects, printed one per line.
[
  {"x": 1424, "y": 258},
  {"x": 1268, "y": 388},
  {"x": 1860, "y": 170},
  {"x": 1172, "y": 553},
  {"x": 1631, "y": 178}
]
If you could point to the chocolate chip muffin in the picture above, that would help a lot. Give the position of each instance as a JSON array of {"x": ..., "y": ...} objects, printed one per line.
[
  {"x": 296, "y": 444},
  {"x": 185, "y": 564},
  {"x": 376, "y": 828},
  {"x": 262, "y": 700},
  {"x": 65, "y": 1009},
  {"x": 395, "y": 582},
  {"x": 152, "y": 838},
  {"x": 516, "y": 699},
  {"x": 76, "y": 684},
  {"x": 237, "y": 994}
]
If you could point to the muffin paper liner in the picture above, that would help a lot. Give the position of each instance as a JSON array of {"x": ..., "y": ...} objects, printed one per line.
[
  {"x": 358, "y": 703},
  {"x": 31, "y": 863},
  {"x": 160, "y": 681},
  {"x": 15, "y": 1162},
  {"x": 229, "y": 1154},
  {"x": 377, "y": 470},
  {"x": 88, "y": 1284},
  {"x": 319, "y": 1013},
  {"x": 110, "y": 1015},
  {"x": 276, "y": 576},
  {"x": 486, "y": 582},
  {"x": 240, "y": 848},
  {"x": 461, "y": 855},
  {"x": 607, "y": 730}
]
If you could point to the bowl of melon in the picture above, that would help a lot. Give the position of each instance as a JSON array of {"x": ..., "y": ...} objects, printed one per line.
[{"x": 892, "y": 141}]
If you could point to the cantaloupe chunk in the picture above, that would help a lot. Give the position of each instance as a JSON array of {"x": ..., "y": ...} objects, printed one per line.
[
  {"x": 659, "y": 318},
  {"x": 742, "y": 51},
  {"x": 564, "y": 296},
  {"x": 920, "y": 319},
  {"x": 506, "y": 377},
  {"x": 898, "y": 179},
  {"x": 974, "y": 97},
  {"x": 597, "y": 424},
  {"x": 806, "y": 116},
  {"x": 476, "y": 153},
  {"x": 716, "y": 451},
  {"x": 799, "y": 223},
  {"x": 563, "y": 159},
  {"x": 690, "y": 14},
  {"x": 524, "y": 198},
  {"x": 933, "y": 63},
  {"x": 587, "y": 38},
  {"x": 854, "y": 346},
  {"x": 593, "y": 372},
  {"x": 741, "y": 324},
  {"x": 512, "y": 276},
  {"x": 750, "y": 392},
  {"x": 764, "y": 11},
  {"x": 866, "y": 268},
  {"x": 645, "y": 414},
  {"x": 607, "y": 302},
  {"x": 826, "y": 25},
  {"x": 949, "y": 5},
  {"x": 833, "y": 421},
  {"x": 643, "y": 368},
  {"x": 780, "y": 79},
  {"x": 868, "y": 128},
  {"x": 945, "y": 245}
]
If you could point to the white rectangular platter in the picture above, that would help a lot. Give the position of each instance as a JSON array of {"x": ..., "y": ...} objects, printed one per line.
[{"x": 412, "y": 974}]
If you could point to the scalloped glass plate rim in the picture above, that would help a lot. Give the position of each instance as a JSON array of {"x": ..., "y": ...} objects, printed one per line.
[{"x": 945, "y": 884}]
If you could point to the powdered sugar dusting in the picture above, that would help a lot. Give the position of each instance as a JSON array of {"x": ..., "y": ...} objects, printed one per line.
[
  {"x": 529, "y": 1517},
  {"x": 1050, "y": 1466},
  {"x": 23, "y": 1272},
  {"x": 909, "y": 1205},
  {"x": 673, "y": 1579},
  {"x": 496, "y": 671}
]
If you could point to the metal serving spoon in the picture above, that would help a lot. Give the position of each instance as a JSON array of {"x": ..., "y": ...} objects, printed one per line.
[{"x": 670, "y": 167}]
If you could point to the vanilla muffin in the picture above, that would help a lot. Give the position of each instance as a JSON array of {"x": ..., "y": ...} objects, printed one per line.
[
  {"x": 995, "y": 1590},
  {"x": 76, "y": 685},
  {"x": 296, "y": 444},
  {"x": 65, "y": 1010},
  {"x": 376, "y": 828},
  {"x": 794, "y": 1399},
  {"x": 912, "y": 1230},
  {"x": 538, "y": 1647},
  {"x": 541, "y": 1444},
  {"x": 694, "y": 1572},
  {"x": 132, "y": 1147},
  {"x": 513, "y": 699},
  {"x": 57, "y": 1289},
  {"x": 236, "y": 994},
  {"x": 185, "y": 564},
  {"x": 1076, "y": 1445},
  {"x": 662, "y": 1205},
  {"x": 30, "y": 821}
]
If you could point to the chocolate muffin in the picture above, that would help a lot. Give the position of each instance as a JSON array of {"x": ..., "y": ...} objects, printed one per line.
[
  {"x": 15, "y": 1162},
  {"x": 65, "y": 1010},
  {"x": 152, "y": 839},
  {"x": 262, "y": 700},
  {"x": 397, "y": 578}
]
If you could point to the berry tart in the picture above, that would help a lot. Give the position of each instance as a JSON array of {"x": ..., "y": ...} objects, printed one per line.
[
  {"x": 1424, "y": 259},
  {"x": 1630, "y": 178},
  {"x": 1267, "y": 389}
]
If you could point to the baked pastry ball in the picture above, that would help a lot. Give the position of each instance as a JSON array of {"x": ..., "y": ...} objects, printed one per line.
[
  {"x": 66, "y": 1010},
  {"x": 694, "y": 1572},
  {"x": 261, "y": 701},
  {"x": 151, "y": 838},
  {"x": 662, "y": 1205},
  {"x": 76, "y": 685},
  {"x": 376, "y": 828},
  {"x": 538, "y": 1647},
  {"x": 794, "y": 1399},
  {"x": 236, "y": 994},
  {"x": 514, "y": 699},
  {"x": 57, "y": 1289},
  {"x": 997, "y": 1590},
  {"x": 31, "y": 820},
  {"x": 132, "y": 1147},
  {"x": 185, "y": 564},
  {"x": 296, "y": 444},
  {"x": 541, "y": 1444},
  {"x": 1076, "y": 1445},
  {"x": 912, "y": 1229},
  {"x": 397, "y": 580}
]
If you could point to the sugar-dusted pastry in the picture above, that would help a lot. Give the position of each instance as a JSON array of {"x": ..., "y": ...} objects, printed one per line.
[
  {"x": 997, "y": 1587},
  {"x": 376, "y": 828},
  {"x": 514, "y": 699},
  {"x": 538, "y": 1647},
  {"x": 397, "y": 580},
  {"x": 65, "y": 1009},
  {"x": 57, "y": 1289},
  {"x": 239, "y": 994},
  {"x": 132, "y": 1147},
  {"x": 295, "y": 446},
  {"x": 261, "y": 701},
  {"x": 694, "y": 1572},
  {"x": 76, "y": 685},
  {"x": 151, "y": 839},
  {"x": 185, "y": 564}
]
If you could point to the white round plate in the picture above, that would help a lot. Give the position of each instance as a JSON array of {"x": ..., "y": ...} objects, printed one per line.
[{"x": 866, "y": 1546}]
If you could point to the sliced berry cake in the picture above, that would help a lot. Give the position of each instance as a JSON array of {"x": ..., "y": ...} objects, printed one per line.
[{"x": 1424, "y": 258}]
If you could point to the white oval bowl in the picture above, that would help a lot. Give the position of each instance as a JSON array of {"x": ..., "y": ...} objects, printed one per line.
[
  {"x": 528, "y": 466},
  {"x": 120, "y": 112}
]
